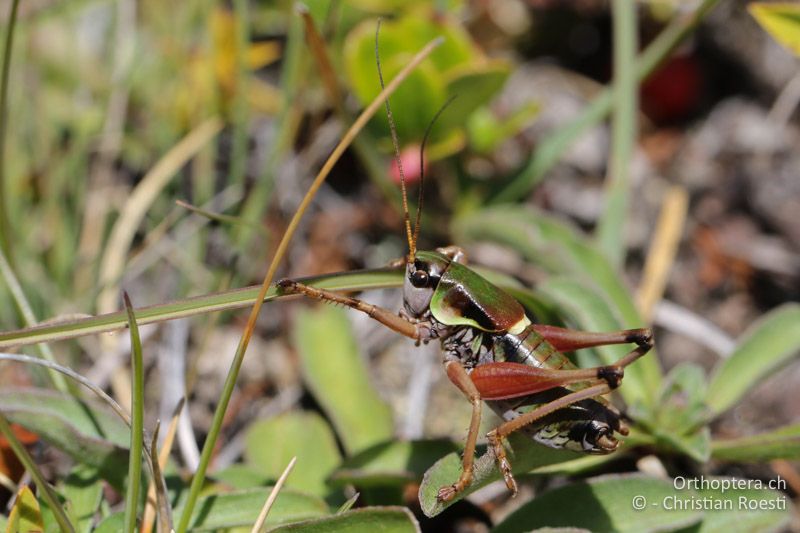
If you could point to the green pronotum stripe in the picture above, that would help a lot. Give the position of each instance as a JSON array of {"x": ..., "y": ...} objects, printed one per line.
[{"x": 233, "y": 299}]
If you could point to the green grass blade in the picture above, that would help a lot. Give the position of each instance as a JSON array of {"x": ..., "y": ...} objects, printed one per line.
[
  {"x": 5, "y": 222},
  {"x": 227, "y": 300},
  {"x": 137, "y": 422},
  {"x": 767, "y": 345},
  {"x": 611, "y": 226},
  {"x": 783, "y": 443}
]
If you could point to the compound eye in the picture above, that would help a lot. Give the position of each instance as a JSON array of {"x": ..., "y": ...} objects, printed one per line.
[{"x": 419, "y": 278}]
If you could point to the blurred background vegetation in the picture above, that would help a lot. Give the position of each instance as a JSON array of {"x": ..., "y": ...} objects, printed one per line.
[{"x": 670, "y": 201}]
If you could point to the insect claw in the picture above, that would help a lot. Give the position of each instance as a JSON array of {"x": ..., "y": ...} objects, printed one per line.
[
  {"x": 612, "y": 374},
  {"x": 607, "y": 442},
  {"x": 447, "y": 493},
  {"x": 641, "y": 337},
  {"x": 511, "y": 483}
]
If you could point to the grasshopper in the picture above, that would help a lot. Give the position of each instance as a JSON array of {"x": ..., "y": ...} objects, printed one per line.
[{"x": 494, "y": 353}]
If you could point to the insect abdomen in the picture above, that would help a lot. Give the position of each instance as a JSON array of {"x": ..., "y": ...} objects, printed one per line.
[{"x": 529, "y": 348}]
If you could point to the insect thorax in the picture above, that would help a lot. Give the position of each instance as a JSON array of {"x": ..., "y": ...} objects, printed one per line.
[{"x": 472, "y": 346}]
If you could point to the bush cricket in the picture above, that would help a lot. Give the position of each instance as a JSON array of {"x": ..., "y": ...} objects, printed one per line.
[{"x": 494, "y": 353}]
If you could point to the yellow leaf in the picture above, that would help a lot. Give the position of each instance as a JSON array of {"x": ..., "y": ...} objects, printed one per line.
[
  {"x": 781, "y": 21},
  {"x": 25, "y": 516},
  {"x": 262, "y": 54}
]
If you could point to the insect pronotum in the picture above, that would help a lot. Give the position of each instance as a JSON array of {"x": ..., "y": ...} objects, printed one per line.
[{"x": 494, "y": 353}]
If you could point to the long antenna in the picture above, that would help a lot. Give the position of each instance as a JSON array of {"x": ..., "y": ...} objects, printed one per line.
[
  {"x": 412, "y": 241},
  {"x": 422, "y": 163}
]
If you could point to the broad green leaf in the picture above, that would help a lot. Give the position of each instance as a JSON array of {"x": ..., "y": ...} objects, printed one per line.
[
  {"x": 524, "y": 455},
  {"x": 270, "y": 445},
  {"x": 455, "y": 67},
  {"x": 739, "y": 510},
  {"x": 382, "y": 519},
  {"x": 391, "y": 463},
  {"x": 111, "y": 524},
  {"x": 241, "y": 508},
  {"x": 604, "y": 504},
  {"x": 241, "y": 476},
  {"x": 767, "y": 345},
  {"x": 682, "y": 405},
  {"x": 678, "y": 421},
  {"x": 423, "y": 91},
  {"x": 336, "y": 374},
  {"x": 783, "y": 443},
  {"x": 85, "y": 430},
  {"x": 25, "y": 516},
  {"x": 560, "y": 250},
  {"x": 83, "y": 490},
  {"x": 781, "y": 20}
]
